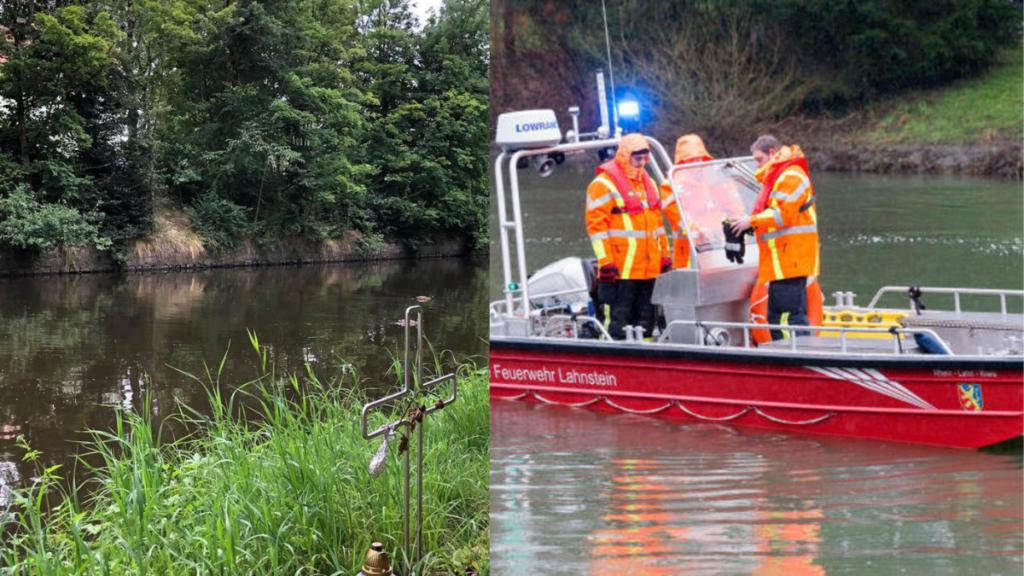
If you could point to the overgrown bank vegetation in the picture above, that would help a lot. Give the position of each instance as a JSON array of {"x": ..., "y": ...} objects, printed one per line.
[
  {"x": 730, "y": 69},
  {"x": 261, "y": 119},
  {"x": 285, "y": 490}
]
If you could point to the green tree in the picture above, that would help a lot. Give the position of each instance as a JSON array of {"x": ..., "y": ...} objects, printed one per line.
[
  {"x": 428, "y": 136},
  {"x": 263, "y": 116},
  {"x": 62, "y": 127}
]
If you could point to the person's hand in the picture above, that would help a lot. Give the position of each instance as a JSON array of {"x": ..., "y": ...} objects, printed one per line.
[
  {"x": 740, "y": 225},
  {"x": 666, "y": 265},
  {"x": 608, "y": 274}
]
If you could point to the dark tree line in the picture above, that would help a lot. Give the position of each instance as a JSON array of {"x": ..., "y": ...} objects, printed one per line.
[
  {"x": 261, "y": 118},
  {"x": 720, "y": 66}
]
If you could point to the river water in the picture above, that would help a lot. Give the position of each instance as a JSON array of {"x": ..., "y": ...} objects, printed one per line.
[
  {"x": 75, "y": 349},
  {"x": 573, "y": 492}
]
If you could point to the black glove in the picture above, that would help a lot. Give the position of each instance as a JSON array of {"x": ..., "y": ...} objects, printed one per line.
[
  {"x": 608, "y": 274},
  {"x": 735, "y": 247}
]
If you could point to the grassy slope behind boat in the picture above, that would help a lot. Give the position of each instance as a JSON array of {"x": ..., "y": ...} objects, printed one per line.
[
  {"x": 972, "y": 126},
  {"x": 286, "y": 493},
  {"x": 981, "y": 110}
]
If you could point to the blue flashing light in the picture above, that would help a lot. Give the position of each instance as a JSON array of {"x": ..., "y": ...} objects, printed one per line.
[{"x": 629, "y": 109}]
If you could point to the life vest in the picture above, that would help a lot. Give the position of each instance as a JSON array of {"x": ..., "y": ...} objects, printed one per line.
[{"x": 634, "y": 202}]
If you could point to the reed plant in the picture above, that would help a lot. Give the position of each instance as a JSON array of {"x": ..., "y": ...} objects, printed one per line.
[{"x": 274, "y": 479}]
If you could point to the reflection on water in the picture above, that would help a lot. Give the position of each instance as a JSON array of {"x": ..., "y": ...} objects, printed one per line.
[
  {"x": 582, "y": 493},
  {"x": 73, "y": 348}
]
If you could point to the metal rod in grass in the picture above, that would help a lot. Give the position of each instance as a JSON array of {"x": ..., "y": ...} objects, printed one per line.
[{"x": 412, "y": 414}]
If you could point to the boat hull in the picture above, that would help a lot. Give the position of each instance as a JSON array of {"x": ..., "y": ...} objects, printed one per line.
[{"x": 943, "y": 401}]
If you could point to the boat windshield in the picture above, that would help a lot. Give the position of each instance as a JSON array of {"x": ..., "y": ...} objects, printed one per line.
[{"x": 711, "y": 192}]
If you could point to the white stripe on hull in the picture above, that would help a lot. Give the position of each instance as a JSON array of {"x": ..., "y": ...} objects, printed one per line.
[{"x": 876, "y": 382}]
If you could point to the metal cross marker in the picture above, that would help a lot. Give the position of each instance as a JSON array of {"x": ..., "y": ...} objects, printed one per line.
[{"x": 413, "y": 391}]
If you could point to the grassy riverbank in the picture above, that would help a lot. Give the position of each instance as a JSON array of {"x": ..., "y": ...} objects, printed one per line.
[
  {"x": 981, "y": 110},
  {"x": 274, "y": 480}
]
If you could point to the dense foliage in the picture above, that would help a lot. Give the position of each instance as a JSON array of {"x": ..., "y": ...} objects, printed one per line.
[
  {"x": 261, "y": 118},
  {"x": 722, "y": 66}
]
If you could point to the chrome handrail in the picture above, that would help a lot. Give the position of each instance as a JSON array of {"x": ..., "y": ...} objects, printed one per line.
[
  {"x": 956, "y": 292},
  {"x": 499, "y": 308},
  {"x": 894, "y": 333}
]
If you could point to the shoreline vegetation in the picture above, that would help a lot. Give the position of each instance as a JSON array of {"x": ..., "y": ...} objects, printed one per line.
[
  {"x": 862, "y": 87},
  {"x": 273, "y": 479},
  {"x": 174, "y": 246},
  {"x": 257, "y": 123}
]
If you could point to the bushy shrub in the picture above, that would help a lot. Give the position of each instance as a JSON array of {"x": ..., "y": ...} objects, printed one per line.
[
  {"x": 29, "y": 224},
  {"x": 217, "y": 221},
  {"x": 869, "y": 46}
]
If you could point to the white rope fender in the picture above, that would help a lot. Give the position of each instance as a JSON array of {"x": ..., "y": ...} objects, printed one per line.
[
  {"x": 695, "y": 415},
  {"x": 624, "y": 409},
  {"x": 668, "y": 405},
  {"x": 579, "y": 405},
  {"x": 805, "y": 422},
  {"x": 520, "y": 397}
]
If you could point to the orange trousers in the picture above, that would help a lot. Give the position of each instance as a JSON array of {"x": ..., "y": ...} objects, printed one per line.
[{"x": 759, "y": 307}]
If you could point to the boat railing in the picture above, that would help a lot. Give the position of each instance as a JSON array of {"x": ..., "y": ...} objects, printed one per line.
[
  {"x": 709, "y": 339},
  {"x": 707, "y": 326},
  {"x": 956, "y": 292},
  {"x": 575, "y": 322},
  {"x": 500, "y": 308}
]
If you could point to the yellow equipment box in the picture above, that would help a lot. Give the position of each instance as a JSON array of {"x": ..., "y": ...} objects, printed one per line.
[{"x": 851, "y": 318}]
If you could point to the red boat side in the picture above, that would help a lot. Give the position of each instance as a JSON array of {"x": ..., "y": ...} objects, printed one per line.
[{"x": 938, "y": 400}]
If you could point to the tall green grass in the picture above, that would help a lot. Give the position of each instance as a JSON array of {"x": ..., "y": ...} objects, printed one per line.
[
  {"x": 976, "y": 110},
  {"x": 274, "y": 480}
]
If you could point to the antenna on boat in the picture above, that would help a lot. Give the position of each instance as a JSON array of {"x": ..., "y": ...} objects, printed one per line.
[{"x": 611, "y": 72}]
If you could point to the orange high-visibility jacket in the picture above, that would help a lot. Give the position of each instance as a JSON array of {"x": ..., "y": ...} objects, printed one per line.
[
  {"x": 785, "y": 219},
  {"x": 634, "y": 240}
]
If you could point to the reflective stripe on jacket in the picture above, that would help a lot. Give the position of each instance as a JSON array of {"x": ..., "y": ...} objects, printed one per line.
[
  {"x": 787, "y": 228},
  {"x": 635, "y": 243},
  {"x": 680, "y": 239}
]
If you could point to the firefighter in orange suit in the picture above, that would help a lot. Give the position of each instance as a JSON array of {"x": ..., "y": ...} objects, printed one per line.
[
  {"x": 695, "y": 196},
  {"x": 786, "y": 225},
  {"x": 627, "y": 232}
]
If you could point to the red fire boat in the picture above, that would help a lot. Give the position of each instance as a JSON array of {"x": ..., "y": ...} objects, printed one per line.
[{"x": 907, "y": 374}]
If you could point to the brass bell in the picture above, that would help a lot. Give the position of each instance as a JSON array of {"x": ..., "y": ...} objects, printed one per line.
[{"x": 377, "y": 562}]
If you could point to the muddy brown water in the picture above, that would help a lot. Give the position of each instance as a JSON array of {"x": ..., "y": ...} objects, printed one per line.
[
  {"x": 574, "y": 492},
  {"x": 73, "y": 350}
]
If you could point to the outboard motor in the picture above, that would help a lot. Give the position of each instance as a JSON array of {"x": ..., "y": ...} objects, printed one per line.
[{"x": 566, "y": 282}]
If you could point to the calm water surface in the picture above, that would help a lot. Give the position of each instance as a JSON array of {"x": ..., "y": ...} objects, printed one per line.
[
  {"x": 75, "y": 349},
  {"x": 574, "y": 492}
]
